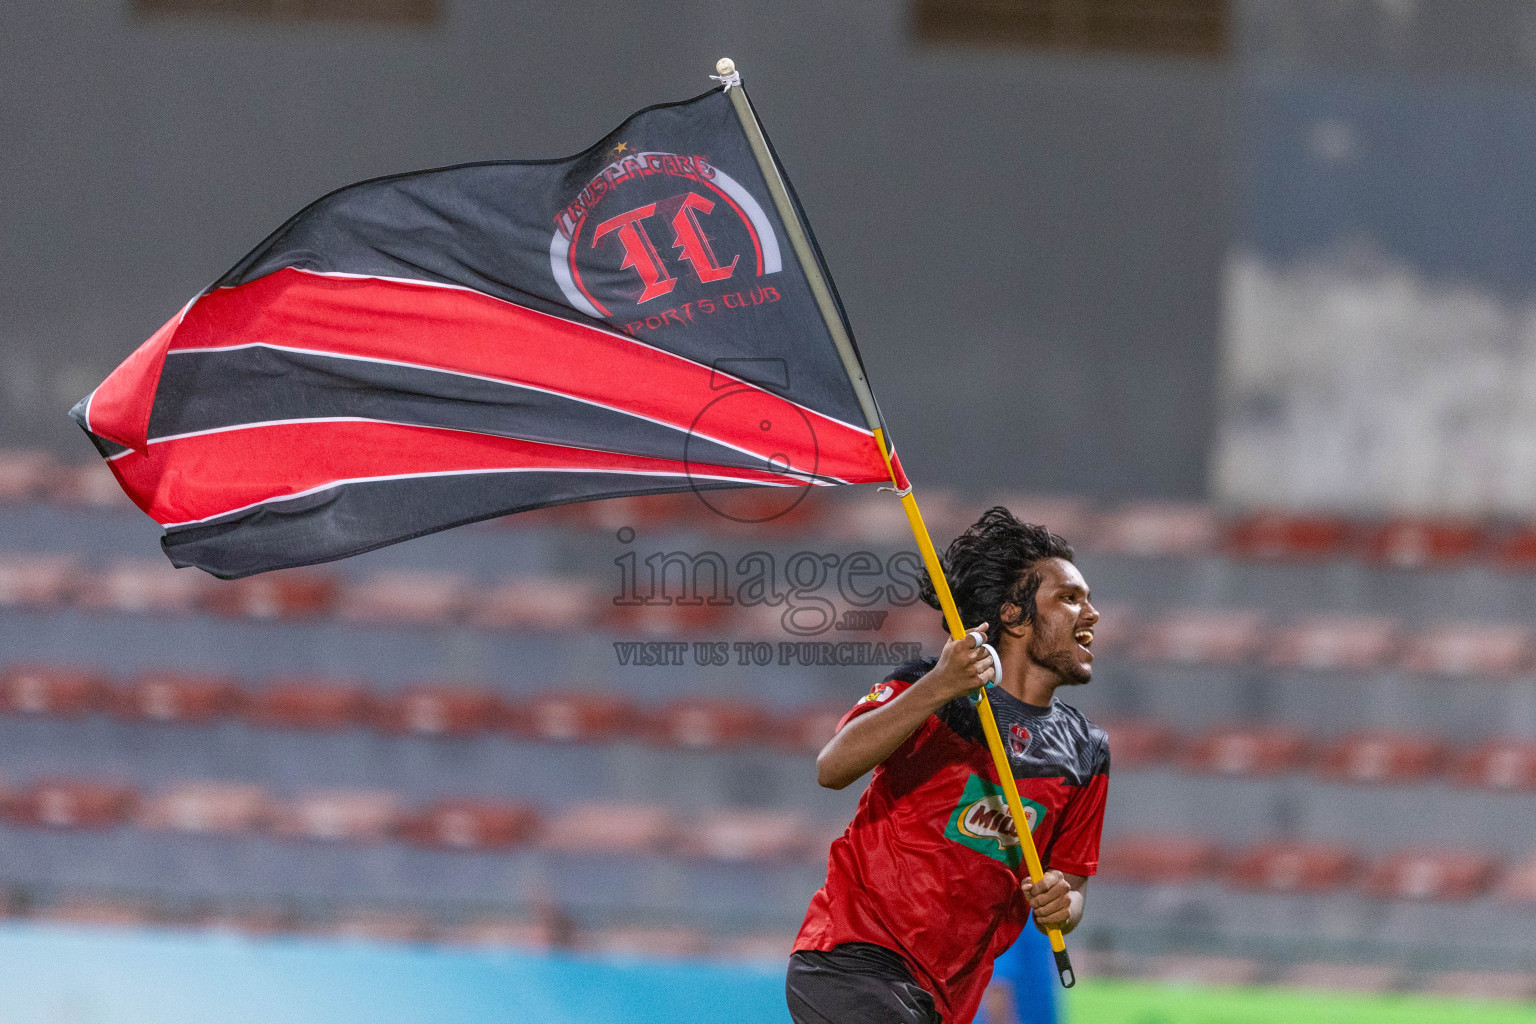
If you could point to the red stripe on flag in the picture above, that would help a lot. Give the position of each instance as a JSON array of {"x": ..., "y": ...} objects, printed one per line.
[
  {"x": 119, "y": 408},
  {"x": 202, "y": 476},
  {"x": 467, "y": 332}
]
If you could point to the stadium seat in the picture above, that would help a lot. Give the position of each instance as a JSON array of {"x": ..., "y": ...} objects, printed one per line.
[
  {"x": 1519, "y": 883},
  {"x": 1150, "y": 528},
  {"x": 1516, "y": 550},
  {"x": 1190, "y": 969},
  {"x": 414, "y": 598},
  {"x": 1430, "y": 875},
  {"x": 430, "y": 710},
  {"x": 676, "y": 941},
  {"x": 1414, "y": 543},
  {"x": 807, "y": 730},
  {"x": 37, "y": 581},
  {"x": 1499, "y": 764},
  {"x": 668, "y": 620},
  {"x": 701, "y": 722},
  {"x": 1378, "y": 757},
  {"x": 1137, "y": 744},
  {"x": 176, "y": 697},
  {"x": 215, "y": 807},
  {"x": 1283, "y": 536},
  {"x": 308, "y": 704},
  {"x": 1202, "y": 637},
  {"x": 530, "y": 602},
  {"x": 1469, "y": 648},
  {"x": 667, "y": 513},
  {"x": 746, "y": 835},
  {"x": 287, "y": 594},
  {"x": 1292, "y": 867},
  {"x": 70, "y": 804},
  {"x": 1264, "y": 750},
  {"x": 25, "y": 475},
  {"x": 1483, "y": 985},
  {"x": 1331, "y": 642},
  {"x": 1342, "y": 977},
  {"x": 50, "y": 690},
  {"x": 609, "y": 828},
  {"x": 469, "y": 825},
  {"x": 1159, "y": 859},
  {"x": 360, "y": 816},
  {"x": 574, "y": 716},
  {"x": 143, "y": 586}
]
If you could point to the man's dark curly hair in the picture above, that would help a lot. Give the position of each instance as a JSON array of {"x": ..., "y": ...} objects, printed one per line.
[{"x": 992, "y": 564}]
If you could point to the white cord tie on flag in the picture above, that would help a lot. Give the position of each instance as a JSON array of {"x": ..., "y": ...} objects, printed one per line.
[
  {"x": 902, "y": 493},
  {"x": 728, "y": 75}
]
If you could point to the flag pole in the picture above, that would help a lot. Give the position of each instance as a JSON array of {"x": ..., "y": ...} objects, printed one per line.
[{"x": 725, "y": 71}]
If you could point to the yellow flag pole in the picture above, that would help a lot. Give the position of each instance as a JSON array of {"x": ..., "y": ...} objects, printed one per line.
[{"x": 725, "y": 70}]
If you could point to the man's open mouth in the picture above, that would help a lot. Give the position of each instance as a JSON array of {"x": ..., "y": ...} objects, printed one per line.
[{"x": 1084, "y": 637}]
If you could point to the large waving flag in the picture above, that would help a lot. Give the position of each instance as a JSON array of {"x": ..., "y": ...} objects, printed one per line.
[{"x": 429, "y": 349}]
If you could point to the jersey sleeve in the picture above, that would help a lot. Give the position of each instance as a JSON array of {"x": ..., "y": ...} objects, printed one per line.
[
  {"x": 878, "y": 696},
  {"x": 1075, "y": 849}
]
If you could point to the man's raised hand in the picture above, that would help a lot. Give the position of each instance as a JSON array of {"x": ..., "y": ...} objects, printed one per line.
[{"x": 963, "y": 665}]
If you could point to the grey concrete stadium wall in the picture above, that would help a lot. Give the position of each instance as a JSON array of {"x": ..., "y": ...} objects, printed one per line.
[{"x": 1029, "y": 245}]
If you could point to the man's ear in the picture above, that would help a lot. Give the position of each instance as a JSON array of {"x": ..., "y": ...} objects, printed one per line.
[{"x": 1013, "y": 621}]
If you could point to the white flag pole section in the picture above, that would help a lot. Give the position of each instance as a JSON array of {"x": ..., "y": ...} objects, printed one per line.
[{"x": 726, "y": 73}]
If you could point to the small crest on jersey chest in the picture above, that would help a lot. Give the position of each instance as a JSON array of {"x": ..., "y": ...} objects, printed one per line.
[{"x": 1018, "y": 740}]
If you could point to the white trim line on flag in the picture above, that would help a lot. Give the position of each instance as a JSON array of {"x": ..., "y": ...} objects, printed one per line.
[
  {"x": 471, "y": 472},
  {"x": 470, "y": 376},
  {"x": 607, "y": 333}
]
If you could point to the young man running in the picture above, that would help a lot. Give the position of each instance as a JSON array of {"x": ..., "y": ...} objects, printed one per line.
[{"x": 927, "y": 886}]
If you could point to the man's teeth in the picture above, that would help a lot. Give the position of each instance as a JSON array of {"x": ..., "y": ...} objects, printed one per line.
[{"x": 1084, "y": 637}]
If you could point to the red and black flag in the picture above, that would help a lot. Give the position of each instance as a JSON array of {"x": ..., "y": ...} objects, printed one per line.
[{"x": 428, "y": 349}]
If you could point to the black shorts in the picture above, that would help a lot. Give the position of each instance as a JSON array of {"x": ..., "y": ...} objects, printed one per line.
[{"x": 855, "y": 983}]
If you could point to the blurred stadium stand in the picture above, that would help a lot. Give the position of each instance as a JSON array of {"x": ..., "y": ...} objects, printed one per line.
[{"x": 1316, "y": 771}]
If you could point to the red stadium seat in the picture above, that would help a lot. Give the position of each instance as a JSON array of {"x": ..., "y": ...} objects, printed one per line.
[
  {"x": 1469, "y": 648},
  {"x": 549, "y": 603},
  {"x": 1292, "y": 867},
  {"x": 1330, "y": 642},
  {"x": 50, "y": 690},
  {"x": 1517, "y": 550},
  {"x": 1519, "y": 883},
  {"x": 1149, "y": 528},
  {"x": 287, "y": 594},
  {"x": 669, "y": 620},
  {"x": 1484, "y": 985},
  {"x": 1277, "y": 535},
  {"x": 1499, "y": 764},
  {"x": 25, "y": 475},
  {"x": 143, "y": 586},
  {"x": 416, "y": 598},
  {"x": 807, "y": 730},
  {"x": 704, "y": 723},
  {"x": 177, "y": 697},
  {"x": 1430, "y": 875},
  {"x": 1382, "y": 758},
  {"x": 1246, "y": 751},
  {"x": 651, "y": 942},
  {"x": 381, "y": 926},
  {"x": 428, "y": 710},
  {"x": 70, "y": 803},
  {"x": 746, "y": 835},
  {"x": 1333, "y": 977},
  {"x": 610, "y": 828},
  {"x": 208, "y": 807},
  {"x": 573, "y": 716},
  {"x": 1135, "y": 744},
  {"x": 469, "y": 825},
  {"x": 1413, "y": 543},
  {"x": 309, "y": 704},
  {"x": 1210, "y": 637},
  {"x": 359, "y": 816},
  {"x": 1159, "y": 859},
  {"x": 37, "y": 581}
]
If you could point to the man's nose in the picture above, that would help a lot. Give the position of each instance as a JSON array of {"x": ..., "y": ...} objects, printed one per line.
[{"x": 1090, "y": 612}]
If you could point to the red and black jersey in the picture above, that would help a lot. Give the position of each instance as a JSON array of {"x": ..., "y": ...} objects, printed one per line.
[{"x": 931, "y": 865}]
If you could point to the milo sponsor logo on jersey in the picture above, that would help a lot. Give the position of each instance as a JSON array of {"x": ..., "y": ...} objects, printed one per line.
[{"x": 982, "y": 822}]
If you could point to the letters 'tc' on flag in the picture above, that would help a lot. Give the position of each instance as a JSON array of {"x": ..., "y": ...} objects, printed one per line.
[{"x": 429, "y": 349}]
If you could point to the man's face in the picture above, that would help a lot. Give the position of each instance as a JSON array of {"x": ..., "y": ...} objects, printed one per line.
[{"x": 1064, "y": 621}]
